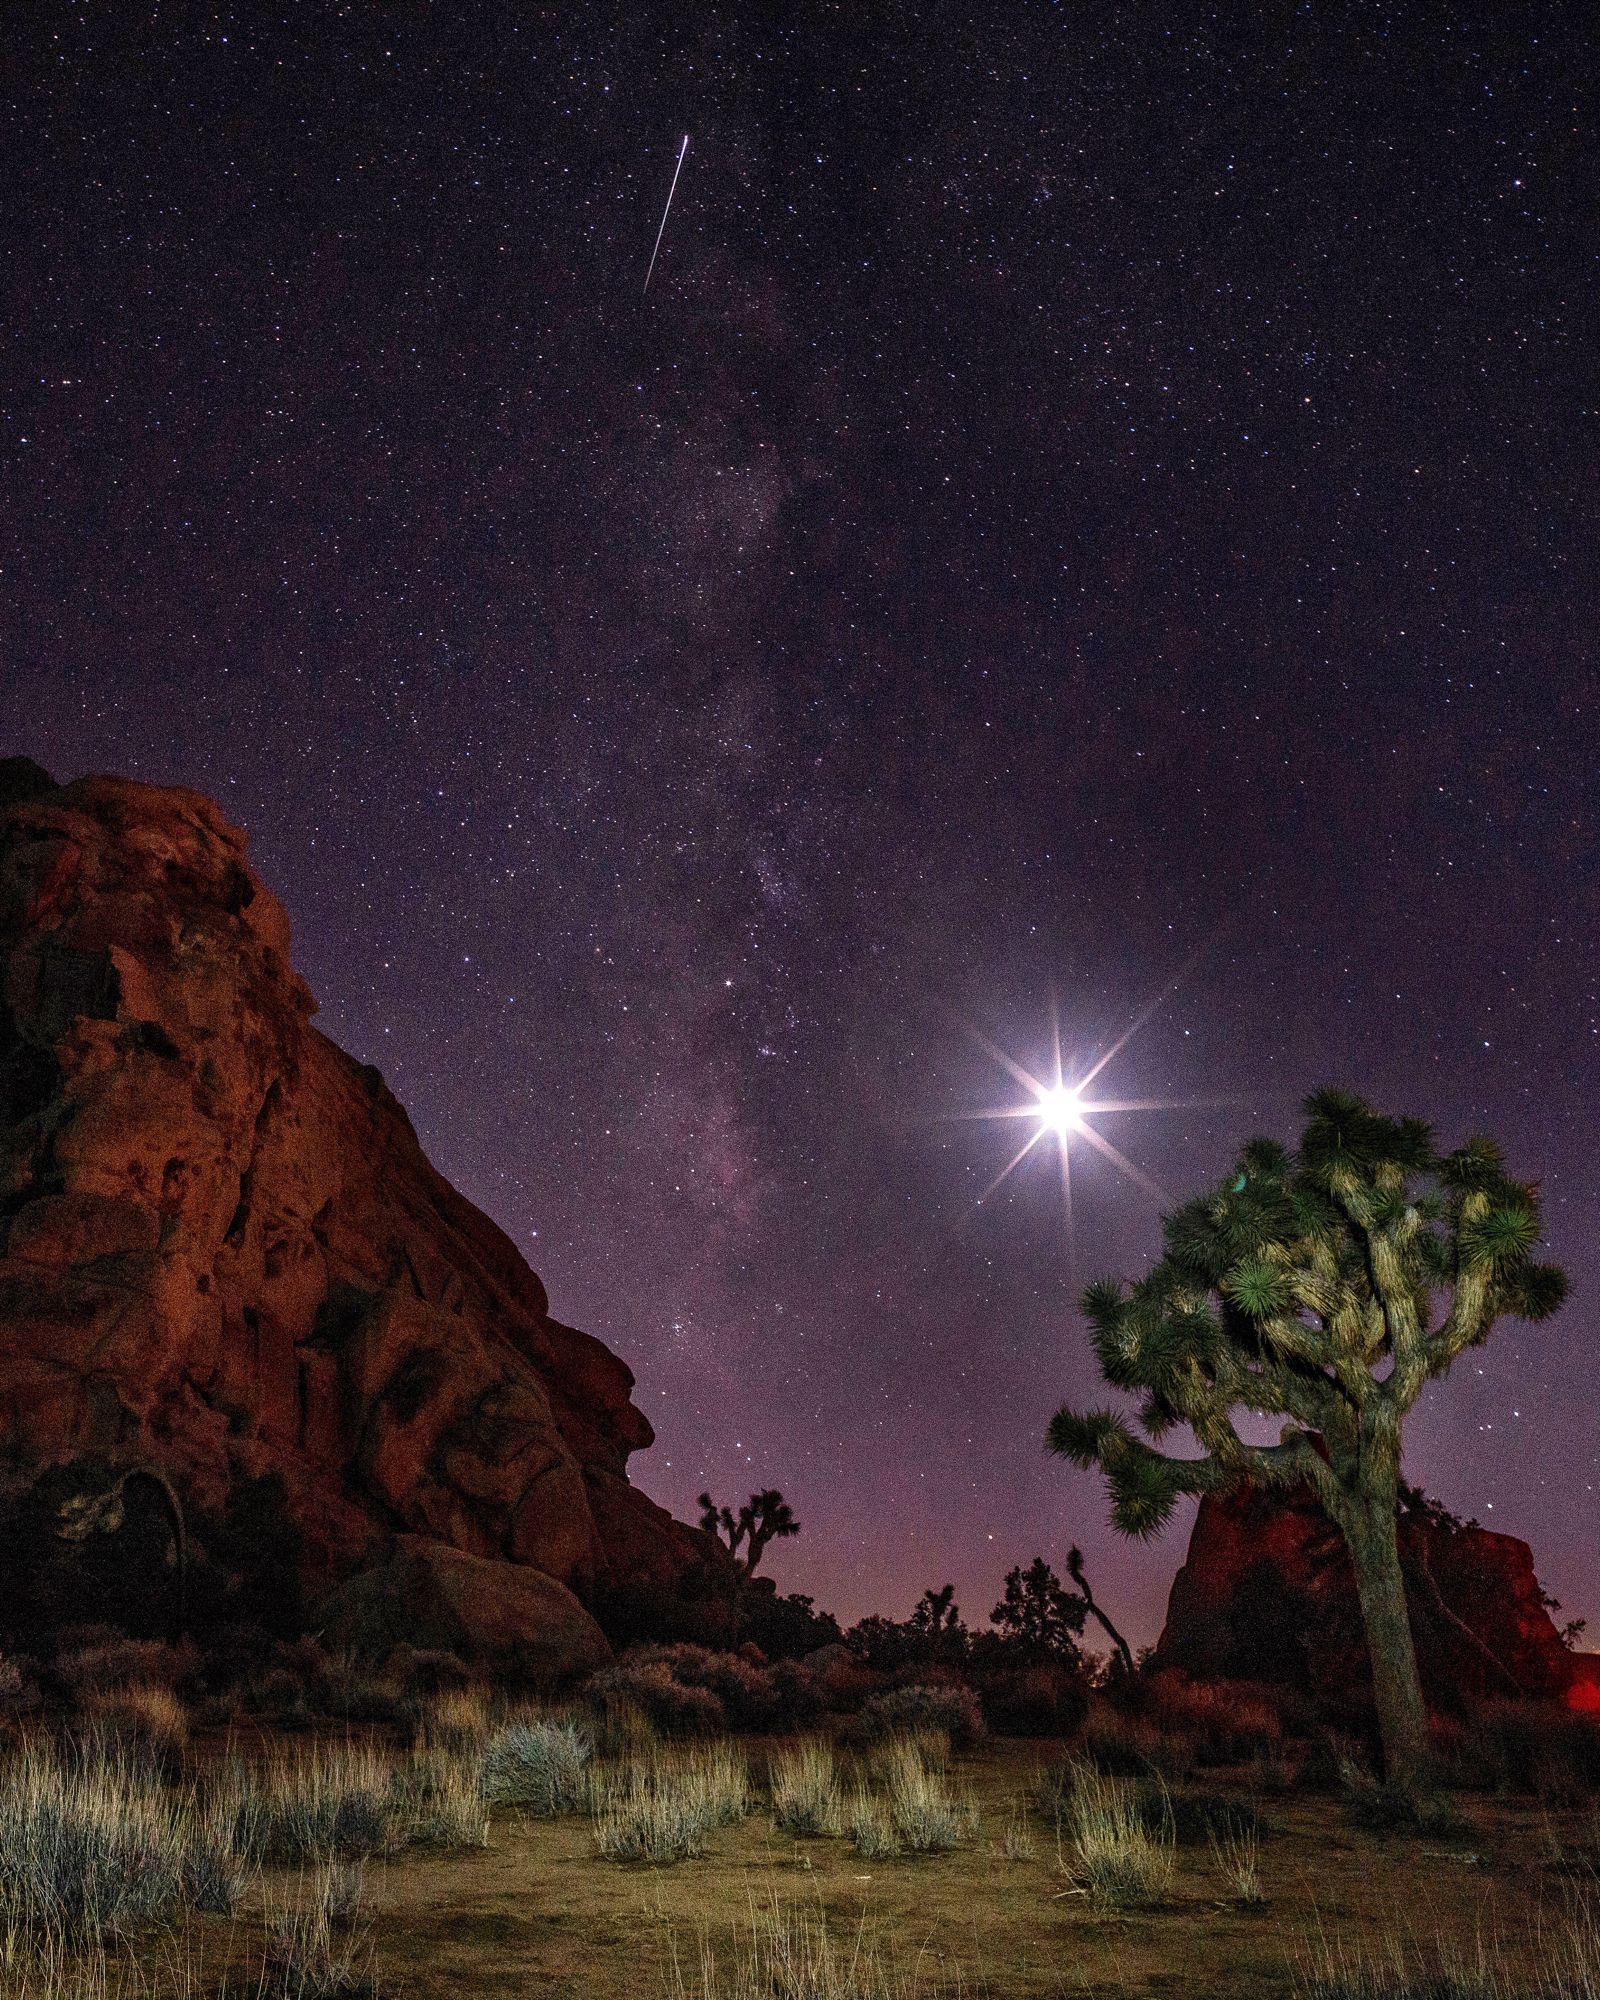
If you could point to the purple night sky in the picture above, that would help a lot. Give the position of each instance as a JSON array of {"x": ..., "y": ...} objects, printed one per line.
[{"x": 1096, "y": 508}]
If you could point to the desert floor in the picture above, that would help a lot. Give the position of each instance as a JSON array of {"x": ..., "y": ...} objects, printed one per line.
[{"x": 1346, "y": 1909}]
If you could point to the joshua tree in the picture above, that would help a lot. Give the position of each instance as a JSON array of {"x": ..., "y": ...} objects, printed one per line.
[
  {"x": 1325, "y": 1287},
  {"x": 938, "y": 1615},
  {"x": 764, "y": 1518}
]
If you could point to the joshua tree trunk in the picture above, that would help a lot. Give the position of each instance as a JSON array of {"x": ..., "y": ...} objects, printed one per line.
[{"x": 1369, "y": 1529}]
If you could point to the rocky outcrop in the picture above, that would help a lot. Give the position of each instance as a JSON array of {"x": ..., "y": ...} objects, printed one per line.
[
  {"x": 1268, "y": 1593},
  {"x": 224, "y": 1254}
]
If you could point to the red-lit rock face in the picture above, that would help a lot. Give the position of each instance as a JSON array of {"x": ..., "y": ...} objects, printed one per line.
[
  {"x": 222, "y": 1250},
  {"x": 1268, "y": 1593}
]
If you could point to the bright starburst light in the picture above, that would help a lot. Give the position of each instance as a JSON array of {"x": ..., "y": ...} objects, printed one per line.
[{"x": 1060, "y": 1114}]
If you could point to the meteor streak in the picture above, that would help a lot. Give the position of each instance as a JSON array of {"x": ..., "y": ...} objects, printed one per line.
[{"x": 671, "y": 191}]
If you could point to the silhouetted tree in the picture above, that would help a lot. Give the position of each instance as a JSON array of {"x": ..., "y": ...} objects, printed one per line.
[
  {"x": 1036, "y": 1612},
  {"x": 1075, "y": 1571},
  {"x": 937, "y": 1614},
  {"x": 765, "y": 1517},
  {"x": 1305, "y": 1286}
]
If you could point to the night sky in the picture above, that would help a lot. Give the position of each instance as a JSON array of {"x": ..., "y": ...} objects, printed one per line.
[{"x": 1096, "y": 511}]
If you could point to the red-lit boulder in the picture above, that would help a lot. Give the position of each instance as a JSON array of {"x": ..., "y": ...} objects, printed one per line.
[
  {"x": 1268, "y": 1593},
  {"x": 224, "y": 1254}
]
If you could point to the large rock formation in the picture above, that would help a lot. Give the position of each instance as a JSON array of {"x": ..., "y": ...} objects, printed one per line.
[
  {"x": 1268, "y": 1593},
  {"x": 224, "y": 1257}
]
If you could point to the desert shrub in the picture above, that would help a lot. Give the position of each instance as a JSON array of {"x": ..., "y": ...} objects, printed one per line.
[
  {"x": 1226, "y": 1722},
  {"x": 1197, "y": 1816},
  {"x": 1527, "y": 1746},
  {"x": 86, "y": 1846},
  {"x": 745, "y": 1691},
  {"x": 843, "y": 1684},
  {"x": 1123, "y": 1746},
  {"x": 952, "y": 1709},
  {"x": 799, "y": 1700},
  {"x": 661, "y": 1808},
  {"x": 108, "y": 1661},
  {"x": 805, "y": 1791},
  {"x": 542, "y": 1765},
  {"x": 1043, "y": 1700},
  {"x": 1119, "y": 1861},
  {"x": 648, "y": 1685}
]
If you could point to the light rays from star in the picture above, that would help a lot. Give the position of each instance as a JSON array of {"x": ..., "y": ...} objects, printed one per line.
[{"x": 1061, "y": 1112}]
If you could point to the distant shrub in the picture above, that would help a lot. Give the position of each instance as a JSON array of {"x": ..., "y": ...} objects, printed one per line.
[
  {"x": 649, "y": 1686},
  {"x": 747, "y": 1693},
  {"x": 1226, "y": 1722},
  {"x": 1123, "y": 1746},
  {"x": 954, "y": 1710},
  {"x": 1034, "y": 1701},
  {"x": 1528, "y": 1746}
]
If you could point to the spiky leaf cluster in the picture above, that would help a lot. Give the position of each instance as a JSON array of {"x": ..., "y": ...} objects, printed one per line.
[{"x": 1324, "y": 1287}]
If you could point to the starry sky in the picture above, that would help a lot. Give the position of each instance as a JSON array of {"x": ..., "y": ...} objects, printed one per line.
[{"x": 1092, "y": 522}]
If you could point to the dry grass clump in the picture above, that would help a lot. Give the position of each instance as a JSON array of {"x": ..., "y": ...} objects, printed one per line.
[
  {"x": 541, "y": 1763},
  {"x": 144, "y": 1724},
  {"x": 663, "y": 1806},
  {"x": 805, "y": 1789},
  {"x": 917, "y": 1808},
  {"x": 317, "y": 1948},
  {"x": 1120, "y": 1862},
  {"x": 1237, "y": 1858},
  {"x": 444, "y": 1801},
  {"x": 457, "y": 1720},
  {"x": 1559, "y": 1963},
  {"x": 1017, "y": 1840},
  {"x": 304, "y": 1806},
  {"x": 789, "y": 1953}
]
